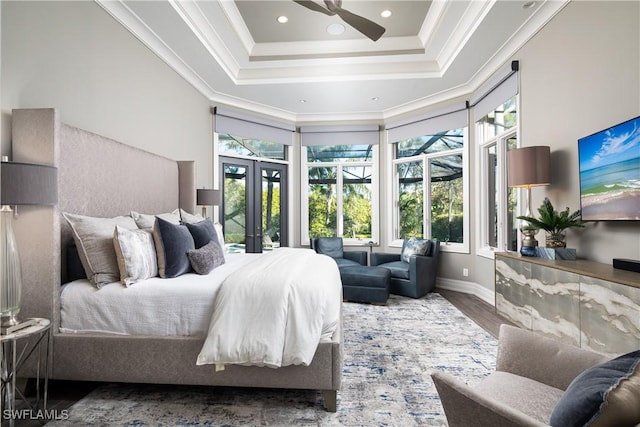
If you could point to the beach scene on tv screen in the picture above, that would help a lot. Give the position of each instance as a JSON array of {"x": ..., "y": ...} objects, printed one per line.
[{"x": 610, "y": 173}]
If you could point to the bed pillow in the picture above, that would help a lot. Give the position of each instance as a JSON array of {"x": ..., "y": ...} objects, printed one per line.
[
  {"x": 202, "y": 232},
  {"x": 147, "y": 221},
  {"x": 136, "y": 254},
  {"x": 172, "y": 241},
  {"x": 607, "y": 394},
  {"x": 413, "y": 246},
  {"x": 186, "y": 217},
  {"x": 94, "y": 239},
  {"x": 220, "y": 234},
  {"x": 206, "y": 258}
]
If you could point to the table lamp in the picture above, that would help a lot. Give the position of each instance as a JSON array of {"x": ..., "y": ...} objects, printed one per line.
[
  {"x": 20, "y": 184},
  {"x": 207, "y": 197},
  {"x": 528, "y": 167}
]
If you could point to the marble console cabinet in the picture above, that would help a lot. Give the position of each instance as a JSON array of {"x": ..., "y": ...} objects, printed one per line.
[{"x": 588, "y": 304}]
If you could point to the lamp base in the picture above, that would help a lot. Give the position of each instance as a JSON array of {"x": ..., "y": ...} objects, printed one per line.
[{"x": 11, "y": 324}]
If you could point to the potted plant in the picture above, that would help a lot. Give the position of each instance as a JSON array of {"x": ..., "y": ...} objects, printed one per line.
[{"x": 554, "y": 223}]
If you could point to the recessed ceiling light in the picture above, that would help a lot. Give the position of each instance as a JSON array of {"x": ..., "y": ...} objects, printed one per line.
[
  {"x": 335, "y": 29},
  {"x": 385, "y": 13},
  {"x": 283, "y": 19},
  {"x": 302, "y": 101},
  {"x": 375, "y": 98},
  {"x": 529, "y": 5}
]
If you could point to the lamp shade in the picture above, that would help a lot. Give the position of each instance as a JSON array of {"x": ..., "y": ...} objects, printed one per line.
[
  {"x": 207, "y": 197},
  {"x": 28, "y": 184},
  {"x": 529, "y": 166}
]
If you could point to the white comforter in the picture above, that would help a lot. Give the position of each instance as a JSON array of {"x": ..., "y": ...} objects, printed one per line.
[{"x": 274, "y": 311}]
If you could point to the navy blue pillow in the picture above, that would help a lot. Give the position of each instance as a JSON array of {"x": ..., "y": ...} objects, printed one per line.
[
  {"x": 202, "y": 232},
  {"x": 608, "y": 390},
  {"x": 173, "y": 242}
]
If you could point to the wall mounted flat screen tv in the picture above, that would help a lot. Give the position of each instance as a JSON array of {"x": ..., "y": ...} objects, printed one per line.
[{"x": 610, "y": 173}]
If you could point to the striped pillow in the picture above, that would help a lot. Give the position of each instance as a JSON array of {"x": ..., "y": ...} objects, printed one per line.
[{"x": 136, "y": 254}]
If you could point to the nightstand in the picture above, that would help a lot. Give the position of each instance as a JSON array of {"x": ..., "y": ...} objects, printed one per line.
[{"x": 17, "y": 348}]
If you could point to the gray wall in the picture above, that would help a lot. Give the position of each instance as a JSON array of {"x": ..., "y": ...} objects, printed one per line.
[
  {"x": 75, "y": 57},
  {"x": 580, "y": 74}
]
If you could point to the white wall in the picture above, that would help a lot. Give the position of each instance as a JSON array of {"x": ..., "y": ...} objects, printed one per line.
[
  {"x": 580, "y": 74},
  {"x": 75, "y": 57}
]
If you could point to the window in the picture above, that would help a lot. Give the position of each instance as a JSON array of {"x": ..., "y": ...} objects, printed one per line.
[
  {"x": 429, "y": 188},
  {"x": 250, "y": 147},
  {"x": 497, "y": 224},
  {"x": 251, "y": 154},
  {"x": 341, "y": 192}
]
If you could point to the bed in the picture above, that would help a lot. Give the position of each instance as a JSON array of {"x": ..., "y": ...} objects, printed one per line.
[{"x": 100, "y": 177}]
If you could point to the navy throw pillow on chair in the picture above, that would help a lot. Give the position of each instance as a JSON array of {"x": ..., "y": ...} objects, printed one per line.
[{"x": 607, "y": 394}]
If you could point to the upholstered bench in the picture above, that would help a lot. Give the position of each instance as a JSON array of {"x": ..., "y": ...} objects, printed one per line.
[{"x": 365, "y": 284}]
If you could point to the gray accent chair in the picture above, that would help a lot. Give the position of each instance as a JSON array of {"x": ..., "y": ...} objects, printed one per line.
[
  {"x": 532, "y": 372},
  {"x": 333, "y": 247},
  {"x": 415, "y": 278}
]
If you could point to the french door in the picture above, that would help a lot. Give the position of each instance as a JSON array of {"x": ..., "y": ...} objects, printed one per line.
[{"x": 254, "y": 204}]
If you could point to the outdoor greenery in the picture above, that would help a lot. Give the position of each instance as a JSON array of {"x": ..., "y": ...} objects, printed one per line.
[
  {"x": 354, "y": 163},
  {"x": 323, "y": 204}
]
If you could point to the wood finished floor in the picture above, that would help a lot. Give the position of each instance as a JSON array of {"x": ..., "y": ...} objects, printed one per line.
[{"x": 63, "y": 394}]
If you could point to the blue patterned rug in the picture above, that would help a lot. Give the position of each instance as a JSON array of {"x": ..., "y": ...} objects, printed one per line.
[{"x": 390, "y": 352}]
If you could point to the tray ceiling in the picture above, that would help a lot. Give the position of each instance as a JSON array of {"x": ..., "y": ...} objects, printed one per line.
[{"x": 237, "y": 53}]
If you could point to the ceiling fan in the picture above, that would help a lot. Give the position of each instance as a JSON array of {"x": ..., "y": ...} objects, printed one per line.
[{"x": 334, "y": 7}]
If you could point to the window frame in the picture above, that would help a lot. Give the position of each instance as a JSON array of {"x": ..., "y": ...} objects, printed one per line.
[
  {"x": 500, "y": 141},
  {"x": 375, "y": 199},
  {"x": 393, "y": 224}
]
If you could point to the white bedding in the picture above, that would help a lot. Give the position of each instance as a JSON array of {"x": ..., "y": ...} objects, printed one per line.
[
  {"x": 158, "y": 307},
  {"x": 274, "y": 311}
]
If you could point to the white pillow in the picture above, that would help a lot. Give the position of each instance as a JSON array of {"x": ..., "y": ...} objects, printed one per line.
[
  {"x": 94, "y": 239},
  {"x": 220, "y": 236},
  {"x": 147, "y": 221},
  {"x": 136, "y": 254},
  {"x": 187, "y": 217}
]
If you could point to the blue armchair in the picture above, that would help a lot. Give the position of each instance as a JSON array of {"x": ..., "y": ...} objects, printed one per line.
[
  {"x": 415, "y": 278},
  {"x": 332, "y": 246}
]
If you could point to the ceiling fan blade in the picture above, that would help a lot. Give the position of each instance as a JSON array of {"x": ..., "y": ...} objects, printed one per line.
[
  {"x": 310, "y": 4},
  {"x": 365, "y": 26}
]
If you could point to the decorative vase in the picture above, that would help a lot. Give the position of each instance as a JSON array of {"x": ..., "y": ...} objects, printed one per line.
[
  {"x": 529, "y": 242},
  {"x": 555, "y": 240}
]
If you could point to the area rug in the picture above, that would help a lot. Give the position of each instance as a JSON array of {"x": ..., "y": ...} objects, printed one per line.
[{"x": 390, "y": 352}]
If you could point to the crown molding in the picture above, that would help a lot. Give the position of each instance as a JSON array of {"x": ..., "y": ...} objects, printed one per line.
[
  {"x": 333, "y": 69},
  {"x": 129, "y": 20},
  {"x": 471, "y": 19}
]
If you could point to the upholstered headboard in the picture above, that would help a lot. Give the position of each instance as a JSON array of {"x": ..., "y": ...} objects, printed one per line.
[{"x": 97, "y": 176}]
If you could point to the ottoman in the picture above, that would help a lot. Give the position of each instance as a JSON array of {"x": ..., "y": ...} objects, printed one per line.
[{"x": 365, "y": 284}]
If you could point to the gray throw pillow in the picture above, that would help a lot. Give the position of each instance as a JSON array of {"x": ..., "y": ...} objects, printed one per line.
[
  {"x": 93, "y": 237},
  {"x": 413, "y": 246},
  {"x": 208, "y": 257}
]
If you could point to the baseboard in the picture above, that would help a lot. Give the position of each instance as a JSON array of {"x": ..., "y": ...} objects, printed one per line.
[{"x": 472, "y": 288}]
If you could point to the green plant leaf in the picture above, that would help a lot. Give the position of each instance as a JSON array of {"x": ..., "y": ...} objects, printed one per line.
[{"x": 553, "y": 221}]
